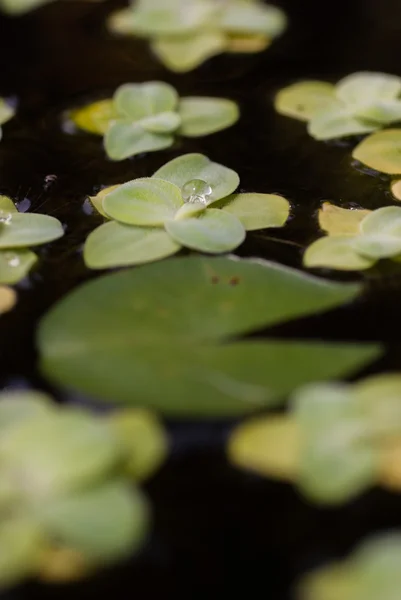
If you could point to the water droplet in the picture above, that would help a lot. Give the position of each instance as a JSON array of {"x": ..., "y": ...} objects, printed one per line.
[
  {"x": 195, "y": 191},
  {"x": 12, "y": 259},
  {"x": 5, "y": 217}
]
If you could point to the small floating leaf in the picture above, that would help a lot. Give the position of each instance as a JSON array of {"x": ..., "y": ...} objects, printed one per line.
[
  {"x": 6, "y": 204},
  {"x": 336, "y": 252},
  {"x": 257, "y": 211},
  {"x": 381, "y": 151},
  {"x": 166, "y": 122},
  {"x": 365, "y": 87},
  {"x": 203, "y": 115},
  {"x": 304, "y": 99},
  {"x": 137, "y": 101},
  {"x": 124, "y": 139},
  {"x": 8, "y": 299},
  {"x": 340, "y": 221},
  {"x": 116, "y": 245},
  {"x": 336, "y": 122},
  {"x": 146, "y": 201},
  {"x": 15, "y": 264},
  {"x": 252, "y": 17},
  {"x": 212, "y": 231},
  {"x": 97, "y": 201},
  {"x": 188, "y": 167},
  {"x": 186, "y": 52},
  {"x": 27, "y": 229},
  {"x": 377, "y": 246},
  {"x": 96, "y": 117}
]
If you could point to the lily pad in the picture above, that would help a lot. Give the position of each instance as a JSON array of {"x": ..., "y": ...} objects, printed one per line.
[
  {"x": 336, "y": 252},
  {"x": 381, "y": 151},
  {"x": 15, "y": 264},
  {"x": 335, "y": 220},
  {"x": 18, "y": 230},
  {"x": 189, "y": 167},
  {"x": 257, "y": 211},
  {"x": 159, "y": 336},
  {"x": 96, "y": 117},
  {"x": 117, "y": 245},
  {"x": 304, "y": 99},
  {"x": 125, "y": 138},
  {"x": 203, "y": 115}
]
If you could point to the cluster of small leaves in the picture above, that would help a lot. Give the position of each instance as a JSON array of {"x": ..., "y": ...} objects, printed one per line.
[
  {"x": 19, "y": 232},
  {"x": 358, "y": 104},
  {"x": 68, "y": 503},
  {"x": 168, "y": 336},
  {"x": 155, "y": 217},
  {"x": 185, "y": 33},
  {"x": 372, "y": 571},
  {"x": 336, "y": 441},
  {"x": 356, "y": 239},
  {"x": 145, "y": 117}
]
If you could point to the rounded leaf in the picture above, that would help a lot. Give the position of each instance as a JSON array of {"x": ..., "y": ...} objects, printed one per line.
[
  {"x": 7, "y": 205},
  {"x": 383, "y": 113},
  {"x": 116, "y": 245},
  {"x": 243, "y": 16},
  {"x": 335, "y": 220},
  {"x": 18, "y": 230},
  {"x": 15, "y": 264},
  {"x": 336, "y": 122},
  {"x": 137, "y": 101},
  {"x": 125, "y": 138},
  {"x": 304, "y": 99},
  {"x": 336, "y": 252},
  {"x": 97, "y": 201},
  {"x": 203, "y": 116},
  {"x": 377, "y": 246},
  {"x": 162, "y": 123},
  {"x": 383, "y": 221},
  {"x": 211, "y": 231},
  {"x": 96, "y": 117},
  {"x": 188, "y": 167},
  {"x": 8, "y": 299},
  {"x": 324, "y": 405},
  {"x": 396, "y": 188},
  {"x": 147, "y": 201},
  {"x": 257, "y": 211},
  {"x": 186, "y": 52},
  {"x": 381, "y": 151},
  {"x": 366, "y": 87}
]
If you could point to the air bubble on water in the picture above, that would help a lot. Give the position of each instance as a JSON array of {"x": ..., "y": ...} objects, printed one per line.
[
  {"x": 196, "y": 191},
  {"x": 12, "y": 259},
  {"x": 5, "y": 217}
]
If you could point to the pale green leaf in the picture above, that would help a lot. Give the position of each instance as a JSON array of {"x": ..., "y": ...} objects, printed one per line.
[
  {"x": 257, "y": 211},
  {"x": 124, "y": 139},
  {"x": 383, "y": 221},
  {"x": 340, "y": 221},
  {"x": 186, "y": 52},
  {"x": 381, "y": 151},
  {"x": 189, "y": 167},
  {"x": 384, "y": 112},
  {"x": 27, "y": 229},
  {"x": 377, "y": 563},
  {"x": 136, "y": 101},
  {"x": 146, "y": 201},
  {"x": 19, "y": 405},
  {"x": 243, "y": 16},
  {"x": 321, "y": 405},
  {"x": 202, "y": 115},
  {"x": 162, "y": 123},
  {"x": 364, "y": 88},
  {"x": 21, "y": 543},
  {"x": 304, "y": 99},
  {"x": 97, "y": 201},
  {"x": 15, "y": 265},
  {"x": 335, "y": 122},
  {"x": 7, "y": 205},
  {"x": 116, "y": 245},
  {"x": 377, "y": 246},
  {"x": 336, "y": 252},
  {"x": 379, "y": 398},
  {"x": 96, "y": 117},
  {"x": 213, "y": 231}
]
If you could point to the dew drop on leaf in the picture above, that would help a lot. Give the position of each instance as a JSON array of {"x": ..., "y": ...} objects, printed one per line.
[
  {"x": 5, "y": 217},
  {"x": 196, "y": 191}
]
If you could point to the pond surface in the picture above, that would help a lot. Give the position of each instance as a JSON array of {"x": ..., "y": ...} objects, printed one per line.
[{"x": 217, "y": 531}]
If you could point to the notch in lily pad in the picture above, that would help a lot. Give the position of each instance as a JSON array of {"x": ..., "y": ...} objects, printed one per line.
[
  {"x": 145, "y": 117},
  {"x": 185, "y": 33},
  {"x": 189, "y": 202},
  {"x": 358, "y": 104}
]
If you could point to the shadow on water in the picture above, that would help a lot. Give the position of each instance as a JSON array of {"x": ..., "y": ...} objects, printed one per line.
[{"x": 217, "y": 531}]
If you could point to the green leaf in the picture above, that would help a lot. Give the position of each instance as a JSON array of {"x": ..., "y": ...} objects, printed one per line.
[
  {"x": 381, "y": 233},
  {"x": 6, "y": 111},
  {"x": 336, "y": 122},
  {"x": 124, "y": 139},
  {"x": 162, "y": 123},
  {"x": 243, "y": 16},
  {"x": 18, "y": 230},
  {"x": 96, "y": 117},
  {"x": 146, "y": 201},
  {"x": 377, "y": 564},
  {"x": 375, "y": 247},
  {"x": 321, "y": 405},
  {"x": 116, "y": 245},
  {"x": 335, "y": 220},
  {"x": 203, "y": 116},
  {"x": 97, "y": 201},
  {"x": 257, "y": 211},
  {"x": 378, "y": 397},
  {"x": 57, "y": 453},
  {"x": 381, "y": 151},
  {"x": 188, "y": 167},
  {"x": 19, "y": 405},
  {"x": 21, "y": 542},
  {"x": 364, "y": 88},
  {"x": 384, "y": 112},
  {"x": 137, "y": 101},
  {"x": 186, "y": 52},
  {"x": 212, "y": 231},
  {"x": 106, "y": 523},
  {"x": 15, "y": 265},
  {"x": 336, "y": 252},
  {"x": 7, "y": 205},
  {"x": 159, "y": 336},
  {"x": 304, "y": 99}
]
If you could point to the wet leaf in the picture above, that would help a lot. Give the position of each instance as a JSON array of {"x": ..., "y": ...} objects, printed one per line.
[
  {"x": 304, "y": 99},
  {"x": 148, "y": 201},
  {"x": 137, "y": 101},
  {"x": 257, "y": 211},
  {"x": 15, "y": 264},
  {"x": 381, "y": 151},
  {"x": 212, "y": 231},
  {"x": 96, "y": 117},
  {"x": 117, "y": 245},
  {"x": 8, "y": 299},
  {"x": 106, "y": 523},
  {"x": 269, "y": 446},
  {"x": 21, "y": 542},
  {"x": 186, "y": 52},
  {"x": 335, "y": 122},
  {"x": 340, "y": 221},
  {"x": 26, "y": 229},
  {"x": 188, "y": 167},
  {"x": 336, "y": 252},
  {"x": 203, "y": 115},
  {"x": 124, "y": 139},
  {"x": 158, "y": 336},
  {"x": 364, "y": 88}
]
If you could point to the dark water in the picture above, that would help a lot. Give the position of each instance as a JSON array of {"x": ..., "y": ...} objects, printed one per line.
[{"x": 217, "y": 530}]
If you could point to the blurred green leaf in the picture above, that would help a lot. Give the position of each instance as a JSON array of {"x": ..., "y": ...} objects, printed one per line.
[
  {"x": 381, "y": 151},
  {"x": 124, "y": 139},
  {"x": 15, "y": 264},
  {"x": 257, "y": 211},
  {"x": 137, "y": 101},
  {"x": 18, "y": 230},
  {"x": 203, "y": 116},
  {"x": 304, "y": 99}
]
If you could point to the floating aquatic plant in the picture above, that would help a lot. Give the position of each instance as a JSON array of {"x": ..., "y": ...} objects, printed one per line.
[
  {"x": 372, "y": 571},
  {"x": 145, "y": 117},
  {"x": 19, "y": 232},
  {"x": 167, "y": 335},
  {"x": 336, "y": 441},
  {"x": 185, "y": 33},
  {"x": 68, "y": 500},
  {"x": 356, "y": 239},
  {"x": 360, "y": 103},
  {"x": 190, "y": 202}
]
